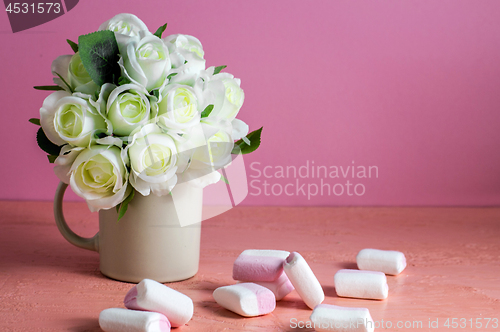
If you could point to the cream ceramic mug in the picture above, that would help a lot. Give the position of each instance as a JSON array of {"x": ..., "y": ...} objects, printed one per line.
[{"x": 148, "y": 241}]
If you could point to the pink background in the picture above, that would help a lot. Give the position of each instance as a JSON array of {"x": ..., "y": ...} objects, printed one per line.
[{"x": 411, "y": 87}]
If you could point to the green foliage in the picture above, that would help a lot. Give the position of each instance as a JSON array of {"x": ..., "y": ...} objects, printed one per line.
[
  {"x": 224, "y": 179},
  {"x": 155, "y": 93},
  {"x": 45, "y": 144},
  {"x": 51, "y": 158},
  {"x": 123, "y": 206},
  {"x": 74, "y": 46},
  {"x": 160, "y": 30},
  {"x": 99, "y": 53},
  {"x": 171, "y": 75},
  {"x": 66, "y": 83},
  {"x": 123, "y": 80},
  {"x": 35, "y": 121},
  {"x": 48, "y": 87},
  {"x": 245, "y": 148},
  {"x": 218, "y": 69},
  {"x": 206, "y": 112}
]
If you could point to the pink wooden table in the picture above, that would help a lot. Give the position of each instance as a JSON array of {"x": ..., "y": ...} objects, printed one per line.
[{"x": 453, "y": 266}]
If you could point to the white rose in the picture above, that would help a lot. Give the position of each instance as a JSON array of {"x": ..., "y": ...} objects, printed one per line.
[
  {"x": 63, "y": 163},
  {"x": 184, "y": 48},
  {"x": 224, "y": 92},
  {"x": 186, "y": 55},
  {"x": 125, "y": 24},
  {"x": 128, "y": 108},
  {"x": 219, "y": 144},
  {"x": 145, "y": 61},
  {"x": 178, "y": 108},
  {"x": 153, "y": 159},
  {"x": 72, "y": 71},
  {"x": 100, "y": 176},
  {"x": 240, "y": 129},
  {"x": 186, "y": 74},
  {"x": 67, "y": 118},
  {"x": 187, "y": 141}
]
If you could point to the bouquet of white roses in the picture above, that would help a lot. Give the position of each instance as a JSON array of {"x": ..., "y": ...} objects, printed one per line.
[{"x": 133, "y": 111}]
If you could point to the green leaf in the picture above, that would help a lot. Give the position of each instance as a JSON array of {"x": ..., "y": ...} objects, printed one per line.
[
  {"x": 218, "y": 69},
  {"x": 45, "y": 144},
  {"x": 35, "y": 121},
  {"x": 160, "y": 30},
  {"x": 171, "y": 75},
  {"x": 48, "y": 87},
  {"x": 155, "y": 93},
  {"x": 253, "y": 137},
  {"x": 123, "y": 80},
  {"x": 206, "y": 112},
  {"x": 99, "y": 53},
  {"x": 66, "y": 83},
  {"x": 124, "y": 205},
  {"x": 74, "y": 46},
  {"x": 51, "y": 158}
]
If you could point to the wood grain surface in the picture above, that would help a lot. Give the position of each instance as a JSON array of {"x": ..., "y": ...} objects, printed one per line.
[{"x": 453, "y": 270}]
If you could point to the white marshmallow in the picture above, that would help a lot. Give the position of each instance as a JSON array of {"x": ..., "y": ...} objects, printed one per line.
[
  {"x": 361, "y": 284},
  {"x": 123, "y": 320},
  {"x": 259, "y": 265},
  {"x": 303, "y": 279},
  {"x": 387, "y": 261},
  {"x": 327, "y": 317},
  {"x": 150, "y": 295},
  {"x": 280, "y": 287},
  {"x": 246, "y": 299}
]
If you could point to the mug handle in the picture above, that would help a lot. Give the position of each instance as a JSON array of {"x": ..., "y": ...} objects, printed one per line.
[{"x": 79, "y": 241}]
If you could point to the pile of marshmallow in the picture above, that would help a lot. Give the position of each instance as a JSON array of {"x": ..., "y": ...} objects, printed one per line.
[
  {"x": 266, "y": 276},
  {"x": 151, "y": 307}
]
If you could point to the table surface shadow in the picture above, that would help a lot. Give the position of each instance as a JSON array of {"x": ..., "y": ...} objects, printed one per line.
[{"x": 453, "y": 270}]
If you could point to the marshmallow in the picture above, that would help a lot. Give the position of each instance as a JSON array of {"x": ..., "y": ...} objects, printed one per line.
[
  {"x": 280, "y": 287},
  {"x": 259, "y": 265},
  {"x": 246, "y": 299},
  {"x": 121, "y": 320},
  {"x": 150, "y": 295},
  {"x": 387, "y": 261},
  {"x": 303, "y": 279},
  {"x": 361, "y": 284},
  {"x": 327, "y": 317}
]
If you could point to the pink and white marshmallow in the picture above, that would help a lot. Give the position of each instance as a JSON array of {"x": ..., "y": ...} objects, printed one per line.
[
  {"x": 303, "y": 279},
  {"x": 327, "y": 317},
  {"x": 246, "y": 299},
  {"x": 386, "y": 261},
  {"x": 120, "y": 320},
  {"x": 150, "y": 295},
  {"x": 281, "y": 287},
  {"x": 259, "y": 265},
  {"x": 361, "y": 284}
]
